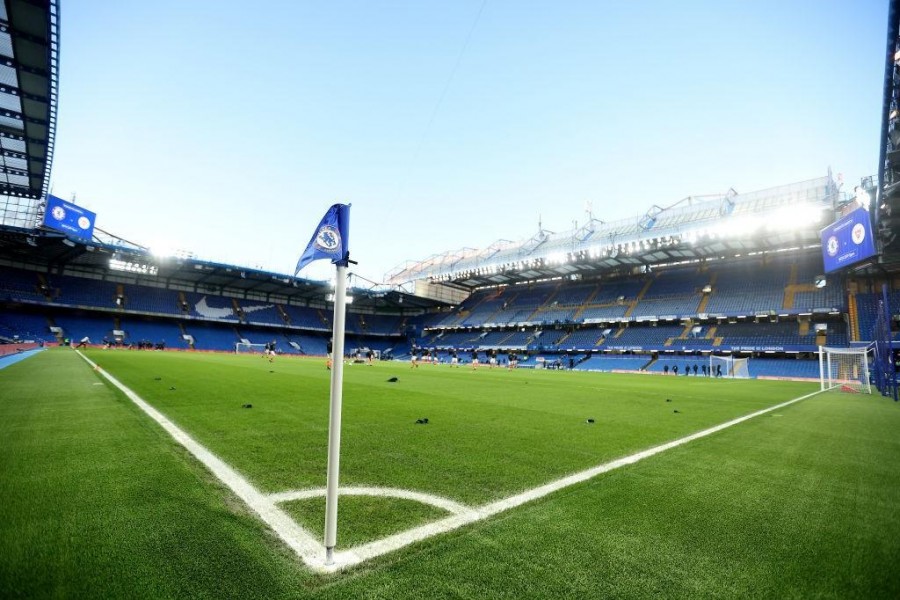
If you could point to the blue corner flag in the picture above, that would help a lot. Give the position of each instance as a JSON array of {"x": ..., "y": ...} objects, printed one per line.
[{"x": 331, "y": 239}]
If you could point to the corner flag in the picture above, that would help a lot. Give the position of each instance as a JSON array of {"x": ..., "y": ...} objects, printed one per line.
[{"x": 331, "y": 239}]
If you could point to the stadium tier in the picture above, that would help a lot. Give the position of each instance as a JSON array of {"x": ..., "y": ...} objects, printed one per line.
[
  {"x": 867, "y": 307},
  {"x": 600, "y": 362},
  {"x": 152, "y": 332},
  {"x": 756, "y": 305},
  {"x": 23, "y": 326}
]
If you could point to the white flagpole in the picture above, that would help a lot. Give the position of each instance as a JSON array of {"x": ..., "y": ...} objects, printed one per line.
[{"x": 334, "y": 423}]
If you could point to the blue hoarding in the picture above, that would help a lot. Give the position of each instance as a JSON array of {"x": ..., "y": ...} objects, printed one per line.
[
  {"x": 848, "y": 240},
  {"x": 69, "y": 218}
]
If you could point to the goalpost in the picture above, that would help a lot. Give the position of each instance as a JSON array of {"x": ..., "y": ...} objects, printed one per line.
[
  {"x": 731, "y": 367},
  {"x": 248, "y": 348},
  {"x": 845, "y": 369}
]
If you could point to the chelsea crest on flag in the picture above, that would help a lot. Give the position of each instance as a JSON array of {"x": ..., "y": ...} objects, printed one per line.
[{"x": 330, "y": 239}]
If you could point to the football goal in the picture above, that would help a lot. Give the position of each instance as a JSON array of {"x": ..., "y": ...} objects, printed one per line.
[
  {"x": 729, "y": 366},
  {"x": 845, "y": 369},
  {"x": 248, "y": 348}
]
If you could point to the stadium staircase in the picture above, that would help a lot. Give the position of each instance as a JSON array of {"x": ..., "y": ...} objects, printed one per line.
[
  {"x": 585, "y": 304},
  {"x": 793, "y": 288},
  {"x": 323, "y": 319},
  {"x": 183, "y": 305},
  {"x": 711, "y": 333},
  {"x": 184, "y": 333},
  {"x": 563, "y": 338},
  {"x": 686, "y": 331},
  {"x": 284, "y": 316},
  {"x": 43, "y": 286},
  {"x": 853, "y": 314},
  {"x": 701, "y": 308},
  {"x": 649, "y": 364},
  {"x": 621, "y": 330},
  {"x": 547, "y": 303},
  {"x": 120, "y": 293},
  {"x": 804, "y": 328},
  {"x": 238, "y": 311},
  {"x": 51, "y": 326},
  {"x": 639, "y": 297}
]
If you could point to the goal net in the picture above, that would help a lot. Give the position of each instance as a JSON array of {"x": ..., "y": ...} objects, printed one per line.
[
  {"x": 729, "y": 366},
  {"x": 248, "y": 348},
  {"x": 845, "y": 369}
]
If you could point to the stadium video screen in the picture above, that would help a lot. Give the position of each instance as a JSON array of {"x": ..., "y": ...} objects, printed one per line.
[
  {"x": 69, "y": 218},
  {"x": 848, "y": 240}
]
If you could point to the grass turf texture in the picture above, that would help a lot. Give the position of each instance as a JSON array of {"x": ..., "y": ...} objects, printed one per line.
[
  {"x": 99, "y": 502},
  {"x": 371, "y": 518},
  {"x": 491, "y": 433}
]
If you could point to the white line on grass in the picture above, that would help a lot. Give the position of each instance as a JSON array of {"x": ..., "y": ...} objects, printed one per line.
[
  {"x": 445, "y": 503},
  {"x": 361, "y": 553},
  {"x": 298, "y": 539},
  {"x": 313, "y": 553}
]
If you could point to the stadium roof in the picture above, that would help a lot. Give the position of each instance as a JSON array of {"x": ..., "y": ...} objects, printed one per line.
[
  {"x": 29, "y": 59},
  {"x": 113, "y": 259},
  {"x": 698, "y": 227}
]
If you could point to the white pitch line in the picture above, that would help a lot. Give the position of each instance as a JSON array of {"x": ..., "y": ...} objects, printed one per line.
[
  {"x": 298, "y": 539},
  {"x": 312, "y": 553},
  {"x": 438, "y": 501},
  {"x": 371, "y": 550}
]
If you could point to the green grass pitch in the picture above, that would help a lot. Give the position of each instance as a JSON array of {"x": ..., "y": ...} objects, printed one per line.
[{"x": 98, "y": 501}]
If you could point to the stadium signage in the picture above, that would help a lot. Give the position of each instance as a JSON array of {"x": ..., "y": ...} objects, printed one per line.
[
  {"x": 848, "y": 240},
  {"x": 69, "y": 218}
]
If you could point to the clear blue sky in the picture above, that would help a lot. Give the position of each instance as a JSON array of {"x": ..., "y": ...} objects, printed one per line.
[{"x": 228, "y": 128}]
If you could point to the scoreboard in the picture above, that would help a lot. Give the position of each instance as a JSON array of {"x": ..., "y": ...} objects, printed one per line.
[{"x": 848, "y": 240}]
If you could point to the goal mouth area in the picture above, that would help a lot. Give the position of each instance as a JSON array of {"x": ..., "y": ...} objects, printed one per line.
[
  {"x": 846, "y": 370},
  {"x": 248, "y": 348}
]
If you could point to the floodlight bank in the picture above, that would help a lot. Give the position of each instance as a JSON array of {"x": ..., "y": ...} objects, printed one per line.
[{"x": 312, "y": 552}]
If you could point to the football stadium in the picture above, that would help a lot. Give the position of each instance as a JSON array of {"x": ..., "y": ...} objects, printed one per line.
[{"x": 699, "y": 401}]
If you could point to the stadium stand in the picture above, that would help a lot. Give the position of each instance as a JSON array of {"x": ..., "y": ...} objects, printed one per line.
[
  {"x": 25, "y": 326},
  {"x": 16, "y": 285},
  {"x": 78, "y": 326},
  {"x": 867, "y": 308},
  {"x": 76, "y": 291},
  {"x": 784, "y": 367},
  {"x": 208, "y": 336},
  {"x": 649, "y": 336},
  {"x": 152, "y": 300},
  {"x": 612, "y": 362},
  {"x": 153, "y": 332}
]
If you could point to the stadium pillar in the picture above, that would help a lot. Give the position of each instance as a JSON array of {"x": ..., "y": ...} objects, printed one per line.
[{"x": 334, "y": 423}]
